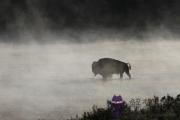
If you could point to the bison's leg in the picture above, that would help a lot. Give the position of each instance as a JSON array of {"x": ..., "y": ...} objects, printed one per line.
[
  {"x": 107, "y": 76},
  {"x": 121, "y": 75},
  {"x": 128, "y": 74},
  {"x": 110, "y": 76},
  {"x": 104, "y": 76}
]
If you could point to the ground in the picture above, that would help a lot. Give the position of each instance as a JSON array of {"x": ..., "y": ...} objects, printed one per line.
[{"x": 54, "y": 80}]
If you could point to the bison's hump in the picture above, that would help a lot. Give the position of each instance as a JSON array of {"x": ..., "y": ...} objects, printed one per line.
[{"x": 109, "y": 60}]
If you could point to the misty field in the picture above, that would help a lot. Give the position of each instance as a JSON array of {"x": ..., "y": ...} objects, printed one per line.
[{"x": 54, "y": 80}]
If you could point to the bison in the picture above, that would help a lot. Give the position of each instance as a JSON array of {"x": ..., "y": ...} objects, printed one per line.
[{"x": 106, "y": 67}]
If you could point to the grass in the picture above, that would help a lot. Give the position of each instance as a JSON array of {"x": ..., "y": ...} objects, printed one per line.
[{"x": 164, "y": 108}]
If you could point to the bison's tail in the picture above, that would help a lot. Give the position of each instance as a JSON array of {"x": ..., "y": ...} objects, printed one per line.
[{"x": 129, "y": 66}]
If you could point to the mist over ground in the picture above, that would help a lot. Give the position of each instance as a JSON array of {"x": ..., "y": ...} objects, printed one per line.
[{"x": 54, "y": 80}]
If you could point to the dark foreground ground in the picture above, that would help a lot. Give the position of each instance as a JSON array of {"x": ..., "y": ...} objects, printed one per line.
[{"x": 164, "y": 108}]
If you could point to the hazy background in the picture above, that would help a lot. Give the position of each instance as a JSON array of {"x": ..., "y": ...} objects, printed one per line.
[
  {"x": 47, "y": 48},
  {"x": 133, "y": 18}
]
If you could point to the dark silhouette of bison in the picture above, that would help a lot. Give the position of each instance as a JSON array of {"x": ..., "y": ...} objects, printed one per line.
[{"x": 108, "y": 66}]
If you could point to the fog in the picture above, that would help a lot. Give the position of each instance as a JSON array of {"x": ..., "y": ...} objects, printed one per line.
[{"x": 54, "y": 80}]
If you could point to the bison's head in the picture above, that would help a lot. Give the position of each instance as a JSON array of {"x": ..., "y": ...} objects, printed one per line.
[{"x": 95, "y": 68}]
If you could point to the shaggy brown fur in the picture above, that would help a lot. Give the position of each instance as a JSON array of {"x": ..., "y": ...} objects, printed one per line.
[{"x": 108, "y": 66}]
